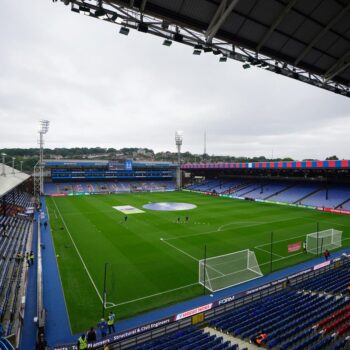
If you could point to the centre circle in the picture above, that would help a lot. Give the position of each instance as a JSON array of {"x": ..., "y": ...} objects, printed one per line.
[{"x": 169, "y": 206}]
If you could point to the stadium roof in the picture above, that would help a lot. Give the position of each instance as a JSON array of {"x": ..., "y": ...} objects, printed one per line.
[
  {"x": 312, "y": 164},
  {"x": 305, "y": 40},
  {"x": 11, "y": 179}
]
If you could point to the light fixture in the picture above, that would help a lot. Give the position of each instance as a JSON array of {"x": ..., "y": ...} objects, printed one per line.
[
  {"x": 216, "y": 52},
  {"x": 179, "y": 138},
  {"x": 246, "y": 66},
  {"x": 223, "y": 59},
  {"x": 167, "y": 42},
  {"x": 198, "y": 47},
  {"x": 207, "y": 49},
  {"x": 197, "y": 52},
  {"x": 44, "y": 126},
  {"x": 124, "y": 30}
]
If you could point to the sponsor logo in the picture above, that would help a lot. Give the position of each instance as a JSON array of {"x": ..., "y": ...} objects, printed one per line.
[
  {"x": 192, "y": 312},
  {"x": 226, "y": 300}
]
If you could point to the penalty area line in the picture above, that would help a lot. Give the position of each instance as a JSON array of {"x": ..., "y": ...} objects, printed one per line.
[
  {"x": 282, "y": 258},
  {"x": 178, "y": 249},
  {"x": 266, "y": 251},
  {"x": 76, "y": 248},
  {"x": 152, "y": 295},
  {"x": 190, "y": 256}
]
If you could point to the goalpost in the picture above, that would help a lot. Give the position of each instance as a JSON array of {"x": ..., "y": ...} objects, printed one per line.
[
  {"x": 228, "y": 270},
  {"x": 318, "y": 242}
]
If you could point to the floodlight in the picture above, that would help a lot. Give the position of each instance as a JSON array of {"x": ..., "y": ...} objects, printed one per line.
[
  {"x": 124, "y": 30},
  {"x": 246, "y": 65},
  {"x": 223, "y": 59},
  {"x": 197, "y": 52},
  {"x": 178, "y": 137},
  {"x": 167, "y": 42},
  {"x": 44, "y": 126},
  {"x": 207, "y": 49},
  {"x": 217, "y": 52},
  {"x": 198, "y": 47}
]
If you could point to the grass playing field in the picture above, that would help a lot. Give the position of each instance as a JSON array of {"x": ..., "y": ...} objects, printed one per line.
[{"x": 152, "y": 259}]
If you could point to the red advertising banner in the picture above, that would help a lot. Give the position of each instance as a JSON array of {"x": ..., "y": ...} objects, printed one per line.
[{"x": 294, "y": 247}]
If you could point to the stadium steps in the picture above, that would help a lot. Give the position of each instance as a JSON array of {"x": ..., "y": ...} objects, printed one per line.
[
  {"x": 280, "y": 191},
  {"x": 227, "y": 337},
  {"x": 309, "y": 194},
  {"x": 255, "y": 188},
  {"x": 342, "y": 203},
  {"x": 236, "y": 188}
]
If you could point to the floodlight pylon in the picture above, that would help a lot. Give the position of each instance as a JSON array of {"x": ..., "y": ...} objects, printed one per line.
[
  {"x": 39, "y": 167},
  {"x": 178, "y": 142}
]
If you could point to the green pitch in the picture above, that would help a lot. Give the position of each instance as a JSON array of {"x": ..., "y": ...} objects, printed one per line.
[{"x": 152, "y": 259}]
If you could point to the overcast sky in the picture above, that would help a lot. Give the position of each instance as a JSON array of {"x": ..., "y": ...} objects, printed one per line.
[{"x": 100, "y": 88}]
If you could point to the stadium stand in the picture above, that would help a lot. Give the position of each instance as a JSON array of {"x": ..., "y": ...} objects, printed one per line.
[
  {"x": 108, "y": 187},
  {"x": 188, "y": 339},
  {"x": 16, "y": 225},
  {"x": 309, "y": 193}
]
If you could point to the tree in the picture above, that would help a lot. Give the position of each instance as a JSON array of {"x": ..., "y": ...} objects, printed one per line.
[{"x": 332, "y": 158}]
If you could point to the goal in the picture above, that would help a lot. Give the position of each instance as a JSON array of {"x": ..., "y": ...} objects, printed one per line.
[
  {"x": 228, "y": 270},
  {"x": 317, "y": 242}
]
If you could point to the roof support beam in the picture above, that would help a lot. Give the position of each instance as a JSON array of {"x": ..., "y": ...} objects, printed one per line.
[
  {"x": 338, "y": 67},
  {"x": 219, "y": 18},
  {"x": 275, "y": 24},
  {"x": 143, "y": 5},
  {"x": 322, "y": 33}
]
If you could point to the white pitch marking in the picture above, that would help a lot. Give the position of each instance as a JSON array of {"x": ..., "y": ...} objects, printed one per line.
[
  {"x": 180, "y": 250},
  {"x": 283, "y": 258},
  {"x": 266, "y": 251},
  {"x": 76, "y": 248},
  {"x": 192, "y": 257},
  {"x": 156, "y": 294},
  {"x": 282, "y": 240}
]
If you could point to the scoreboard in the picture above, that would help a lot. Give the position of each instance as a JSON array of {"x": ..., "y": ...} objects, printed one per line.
[{"x": 120, "y": 165}]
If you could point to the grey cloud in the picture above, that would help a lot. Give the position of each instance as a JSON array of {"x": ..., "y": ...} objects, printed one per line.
[{"x": 100, "y": 88}]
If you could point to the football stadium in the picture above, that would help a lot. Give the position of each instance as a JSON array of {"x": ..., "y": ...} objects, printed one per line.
[{"x": 128, "y": 253}]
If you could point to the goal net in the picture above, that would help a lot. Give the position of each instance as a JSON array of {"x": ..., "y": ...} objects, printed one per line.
[
  {"x": 318, "y": 242},
  {"x": 228, "y": 270}
]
